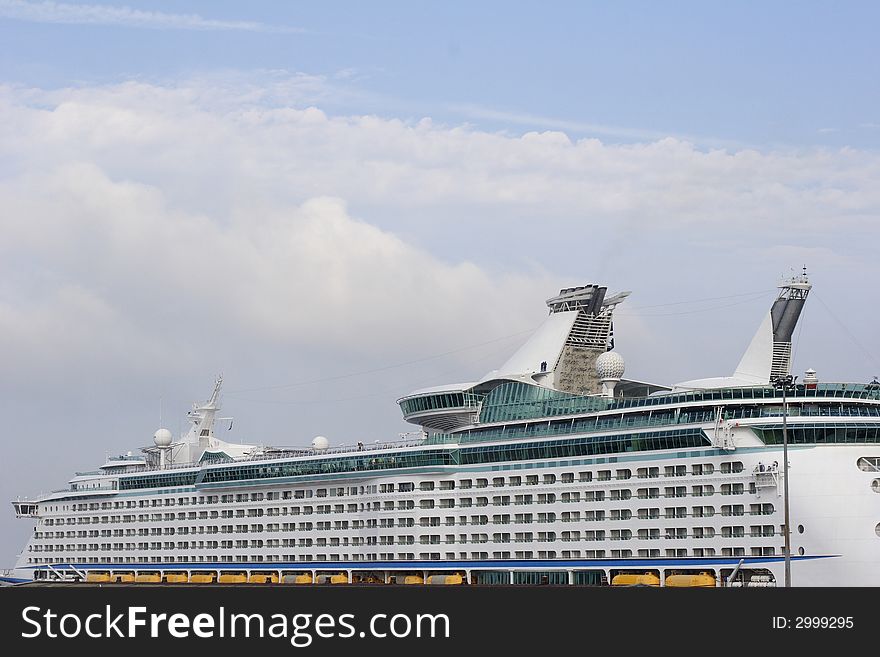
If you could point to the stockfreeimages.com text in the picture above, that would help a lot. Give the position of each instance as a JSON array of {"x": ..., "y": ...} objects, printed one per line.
[{"x": 300, "y": 629}]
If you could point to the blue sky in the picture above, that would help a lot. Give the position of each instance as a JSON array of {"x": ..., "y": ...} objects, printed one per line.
[
  {"x": 760, "y": 73},
  {"x": 362, "y": 199}
]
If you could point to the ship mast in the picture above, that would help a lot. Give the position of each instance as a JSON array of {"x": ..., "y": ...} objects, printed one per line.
[{"x": 203, "y": 415}]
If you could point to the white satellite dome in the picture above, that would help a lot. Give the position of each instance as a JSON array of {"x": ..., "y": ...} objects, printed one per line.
[
  {"x": 162, "y": 438},
  {"x": 320, "y": 442},
  {"x": 610, "y": 365}
]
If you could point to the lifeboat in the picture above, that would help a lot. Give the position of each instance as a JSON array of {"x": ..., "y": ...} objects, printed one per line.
[
  {"x": 413, "y": 579},
  {"x": 202, "y": 578},
  {"x": 176, "y": 578},
  {"x": 123, "y": 578},
  {"x": 148, "y": 578},
  {"x": 704, "y": 580},
  {"x": 98, "y": 578},
  {"x": 232, "y": 578},
  {"x": 263, "y": 578},
  {"x": 453, "y": 578},
  {"x": 635, "y": 579},
  {"x": 299, "y": 578}
]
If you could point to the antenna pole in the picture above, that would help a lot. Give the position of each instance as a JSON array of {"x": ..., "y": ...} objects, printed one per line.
[{"x": 786, "y": 383}]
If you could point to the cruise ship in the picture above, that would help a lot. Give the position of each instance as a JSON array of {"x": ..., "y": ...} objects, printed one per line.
[{"x": 553, "y": 469}]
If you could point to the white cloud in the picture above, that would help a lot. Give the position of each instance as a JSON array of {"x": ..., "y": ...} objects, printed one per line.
[
  {"x": 160, "y": 209},
  {"x": 473, "y": 111},
  {"x": 264, "y": 137},
  {"x": 74, "y": 324},
  {"x": 127, "y": 276},
  {"x": 87, "y": 14}
]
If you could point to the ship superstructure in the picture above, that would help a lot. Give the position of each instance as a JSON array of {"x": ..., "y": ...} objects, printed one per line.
[{"x": 554, "y": 468}]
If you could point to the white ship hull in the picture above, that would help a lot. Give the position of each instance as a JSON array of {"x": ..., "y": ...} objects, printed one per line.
[{"x": 834, "y": 512}]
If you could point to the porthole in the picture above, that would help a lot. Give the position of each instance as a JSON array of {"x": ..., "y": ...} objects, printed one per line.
[
  {"x": 800, "y": 529},
  {"x": 875, "y": 485},
  {"x": 801, "y": 551},
  {"x": 869, "y": 464},
  {"x": 877, "y": 529}
]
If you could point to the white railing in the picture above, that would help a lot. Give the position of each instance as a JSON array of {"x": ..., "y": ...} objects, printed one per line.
[{"x": 281, "y": 453}]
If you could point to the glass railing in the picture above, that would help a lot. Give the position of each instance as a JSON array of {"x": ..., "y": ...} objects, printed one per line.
[
  {"x": 575, "y": 426},
  {"x": 822, "y": 390},
  {"x": 439, "y": 402},
  {"x": 519, "y": 402},
  {"x": 813, "y": 433},
  {"x": 686, "y": 416}
]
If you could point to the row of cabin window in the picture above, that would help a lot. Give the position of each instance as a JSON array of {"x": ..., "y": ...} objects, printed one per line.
[
  {"x": 423, "y": 522},
  {"x": 529, "y": 480},
  {"x": 667, "y": 533},
  {"x": 542, "y": 498},
  {"x": 434, "y": 521},
  {"x": 618, "y": 494},
  {"x": 736, "y": 551}
]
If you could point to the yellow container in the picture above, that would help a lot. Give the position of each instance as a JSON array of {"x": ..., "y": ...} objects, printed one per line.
[
  {"x": 123, "y": 578},
  {"x": 232, "y": 578},
  {"x": 98, "y": 578},
  {"x": 635, "y": 579},
  {"x": 413, "y": 579},
  {"x": 263, "y": 578},
  {"x": 453, "y": 578},
  {"x": 148, "y": 578},
  {"x": 176, "y": 578},
  {"x": 201, "y": 578},
  {"x": 702, "y": 580}
]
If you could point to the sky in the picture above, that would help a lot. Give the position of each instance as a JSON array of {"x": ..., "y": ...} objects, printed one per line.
[{"x": 333, "y": 204}]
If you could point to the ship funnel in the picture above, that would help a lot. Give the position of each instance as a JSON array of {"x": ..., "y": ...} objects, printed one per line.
[{"x": 769, "y": 353}]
